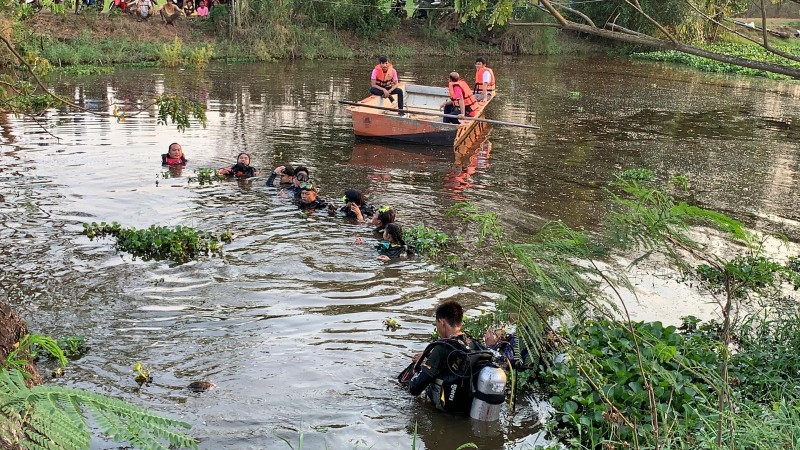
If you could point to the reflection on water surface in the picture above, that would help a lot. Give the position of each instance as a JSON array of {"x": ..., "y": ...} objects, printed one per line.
[{"x": 288, "y": 324}]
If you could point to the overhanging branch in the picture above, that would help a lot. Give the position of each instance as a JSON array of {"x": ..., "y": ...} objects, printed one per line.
[{"x": 661, "y": 44}]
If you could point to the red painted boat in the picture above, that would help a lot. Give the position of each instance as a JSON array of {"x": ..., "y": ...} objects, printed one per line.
[{"x": 413, "y": 127}]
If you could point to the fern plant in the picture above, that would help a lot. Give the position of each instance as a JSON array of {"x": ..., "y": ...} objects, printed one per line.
[{"x": 54, "y": 417}]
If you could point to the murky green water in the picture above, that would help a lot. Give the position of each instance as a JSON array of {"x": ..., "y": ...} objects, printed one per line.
[{"x": 289, "y": 323}]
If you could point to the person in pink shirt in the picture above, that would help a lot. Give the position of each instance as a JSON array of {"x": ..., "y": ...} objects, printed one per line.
[
  {"x": 202, "y": 10},
  {"x": 384, "y": 81}
]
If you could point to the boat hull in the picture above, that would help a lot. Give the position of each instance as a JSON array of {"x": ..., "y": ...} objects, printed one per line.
[{"x": 415, "y": 126}]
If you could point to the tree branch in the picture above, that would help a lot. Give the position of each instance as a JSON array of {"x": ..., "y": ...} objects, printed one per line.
[{"x": 577, "y": 13}]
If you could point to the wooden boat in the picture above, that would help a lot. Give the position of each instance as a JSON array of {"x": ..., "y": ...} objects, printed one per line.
[{"x": 412, "y": 127}]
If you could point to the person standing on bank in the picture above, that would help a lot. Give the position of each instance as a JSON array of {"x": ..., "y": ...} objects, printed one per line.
[
  {"x": 461, "y": 101},
  {"x": 484, "y": 80},
  {"x": 383, "y": 81}
]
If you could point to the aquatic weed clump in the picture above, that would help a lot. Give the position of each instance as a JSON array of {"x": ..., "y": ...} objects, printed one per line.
[
  {"x": 180, "y": 244},
  {"x": 206, "y": 176},
  {"x": 426, "y": 241}
]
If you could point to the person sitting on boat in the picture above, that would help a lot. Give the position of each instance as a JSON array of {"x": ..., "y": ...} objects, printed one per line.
[
  {"x": 355, "y": 206},
  {"x": 484, "y": 80},
  {"x": 286, "y": 174},
  {"x": 309, "y": 199},
  {"x": 174, "y": 156},
  {"x": 383, "y": 81},
  {"x": 461, "y": 101},
  {"x": 242, "y": 168}
]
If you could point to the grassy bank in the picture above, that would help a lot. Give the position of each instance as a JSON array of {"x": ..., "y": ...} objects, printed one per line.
[{"x": 98, "y": 39}]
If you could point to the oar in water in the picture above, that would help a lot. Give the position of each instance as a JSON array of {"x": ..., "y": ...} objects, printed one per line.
[{"x": 426, "y": 113}]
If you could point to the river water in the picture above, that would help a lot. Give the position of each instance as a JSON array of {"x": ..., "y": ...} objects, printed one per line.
[{"x": 288, "y": 324}]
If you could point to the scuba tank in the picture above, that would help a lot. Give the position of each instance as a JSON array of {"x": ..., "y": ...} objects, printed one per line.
[{"x": 489, "y": 393}]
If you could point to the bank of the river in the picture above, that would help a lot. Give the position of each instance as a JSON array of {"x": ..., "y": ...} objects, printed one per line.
[{"x": 100, "y": 39}]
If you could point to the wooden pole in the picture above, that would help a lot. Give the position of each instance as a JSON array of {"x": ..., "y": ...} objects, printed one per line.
[{"x": 425, "y": 113}]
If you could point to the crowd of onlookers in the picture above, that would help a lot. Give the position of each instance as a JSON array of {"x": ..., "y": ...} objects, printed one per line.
[{"x": 169, "y": 10}]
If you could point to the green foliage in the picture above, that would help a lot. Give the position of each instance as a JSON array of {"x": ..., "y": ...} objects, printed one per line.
[
  {"x": 179, "y": 244},
  {"x": 742, "y": 50},
  {"x": 199, "y": 57},
  {"x": 178, "y": 110},
  {"x": 744, "y": 273},
  {"x": 206, "y": 175},
  {"x": 70, "y": 347},
  {"x": 637, "y": 175},
  {"x": 27, "y": 348},
  {"x": 677, "y": 368},
  {"x": 51, "y": 417},
  {"x": 766, "y": 365},
  {"x": 391, "y": 324},
  {"x": 83, "y": 70},
  {"x": 171, "y": 55},
  {"x": 425, "y": 241}
]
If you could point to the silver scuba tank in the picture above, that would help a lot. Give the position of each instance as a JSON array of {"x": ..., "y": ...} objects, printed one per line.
[{"x": 489, "y": 394}]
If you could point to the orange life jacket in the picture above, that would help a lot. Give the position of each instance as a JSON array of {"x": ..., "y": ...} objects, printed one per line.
[
  {"x": 385, "y": 80},
  {"x": 166, "y": 160},
  {"x": 479, "y": 79},
  {"x": 469, "y": 99}
]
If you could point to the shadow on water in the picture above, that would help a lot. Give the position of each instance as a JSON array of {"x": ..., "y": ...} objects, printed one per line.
[{"x": 288, "y": 324}]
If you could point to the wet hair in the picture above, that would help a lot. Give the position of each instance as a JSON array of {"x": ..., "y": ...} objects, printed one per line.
[
  {"x": 451, "y": 312},
  {"x": 174, "y": 143},
  {"x": 299, "y": 169},
  {"x": 288, "y": 170},
  {"x": 396, "y": 233},
  {"x": 353, "y": 196},
  {"x": 245, "y": 154},
  {"x": 481, "y": 60},
  {"x": 383, "y": 59},
  {"x": 386, "y": 216}
]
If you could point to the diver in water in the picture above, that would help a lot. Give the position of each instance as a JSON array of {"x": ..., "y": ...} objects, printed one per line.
[
  {"x": 384, "y": 216},
  {"x": 392, "y": 245},
  {"x": 301, "y": 175},
  {"x": 174, "y": 156},
  {"x": 309, "y": 199},
  {"x": 286, "y": 174},
  {"x": 442, "y": 370},
  {"x": 242, "y": 168},
  {"x": 355, "y": 206}
]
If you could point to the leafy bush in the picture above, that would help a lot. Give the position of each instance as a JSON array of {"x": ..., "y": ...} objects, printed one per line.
[
  {"x": 425, "y": 241},
  {"x": 674, "y": 366},
  {"x": 171, "y": 55},
  {"x": 179, "y": 244},
  {"x": 200, "y": 57},
  {"x": 638, "y": 174}
]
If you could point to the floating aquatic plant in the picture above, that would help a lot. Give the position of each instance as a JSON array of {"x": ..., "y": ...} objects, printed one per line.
[
  {"x": 206, "y": 175},
  {"x": 180, "y": 244}
]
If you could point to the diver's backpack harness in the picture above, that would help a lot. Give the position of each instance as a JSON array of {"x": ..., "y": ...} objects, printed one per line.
[{"x": 463, "y": 372}]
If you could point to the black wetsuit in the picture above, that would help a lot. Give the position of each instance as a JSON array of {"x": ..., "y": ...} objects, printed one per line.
[
  {"x": 271, "y": 180},
  {"x": 241, "y": 170},
  {"x": 318, "y": 203},
  {"x": 391, "y": 250},
  {"x": 366, "y": 211},
  {"x": 444, "y": 375}
]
